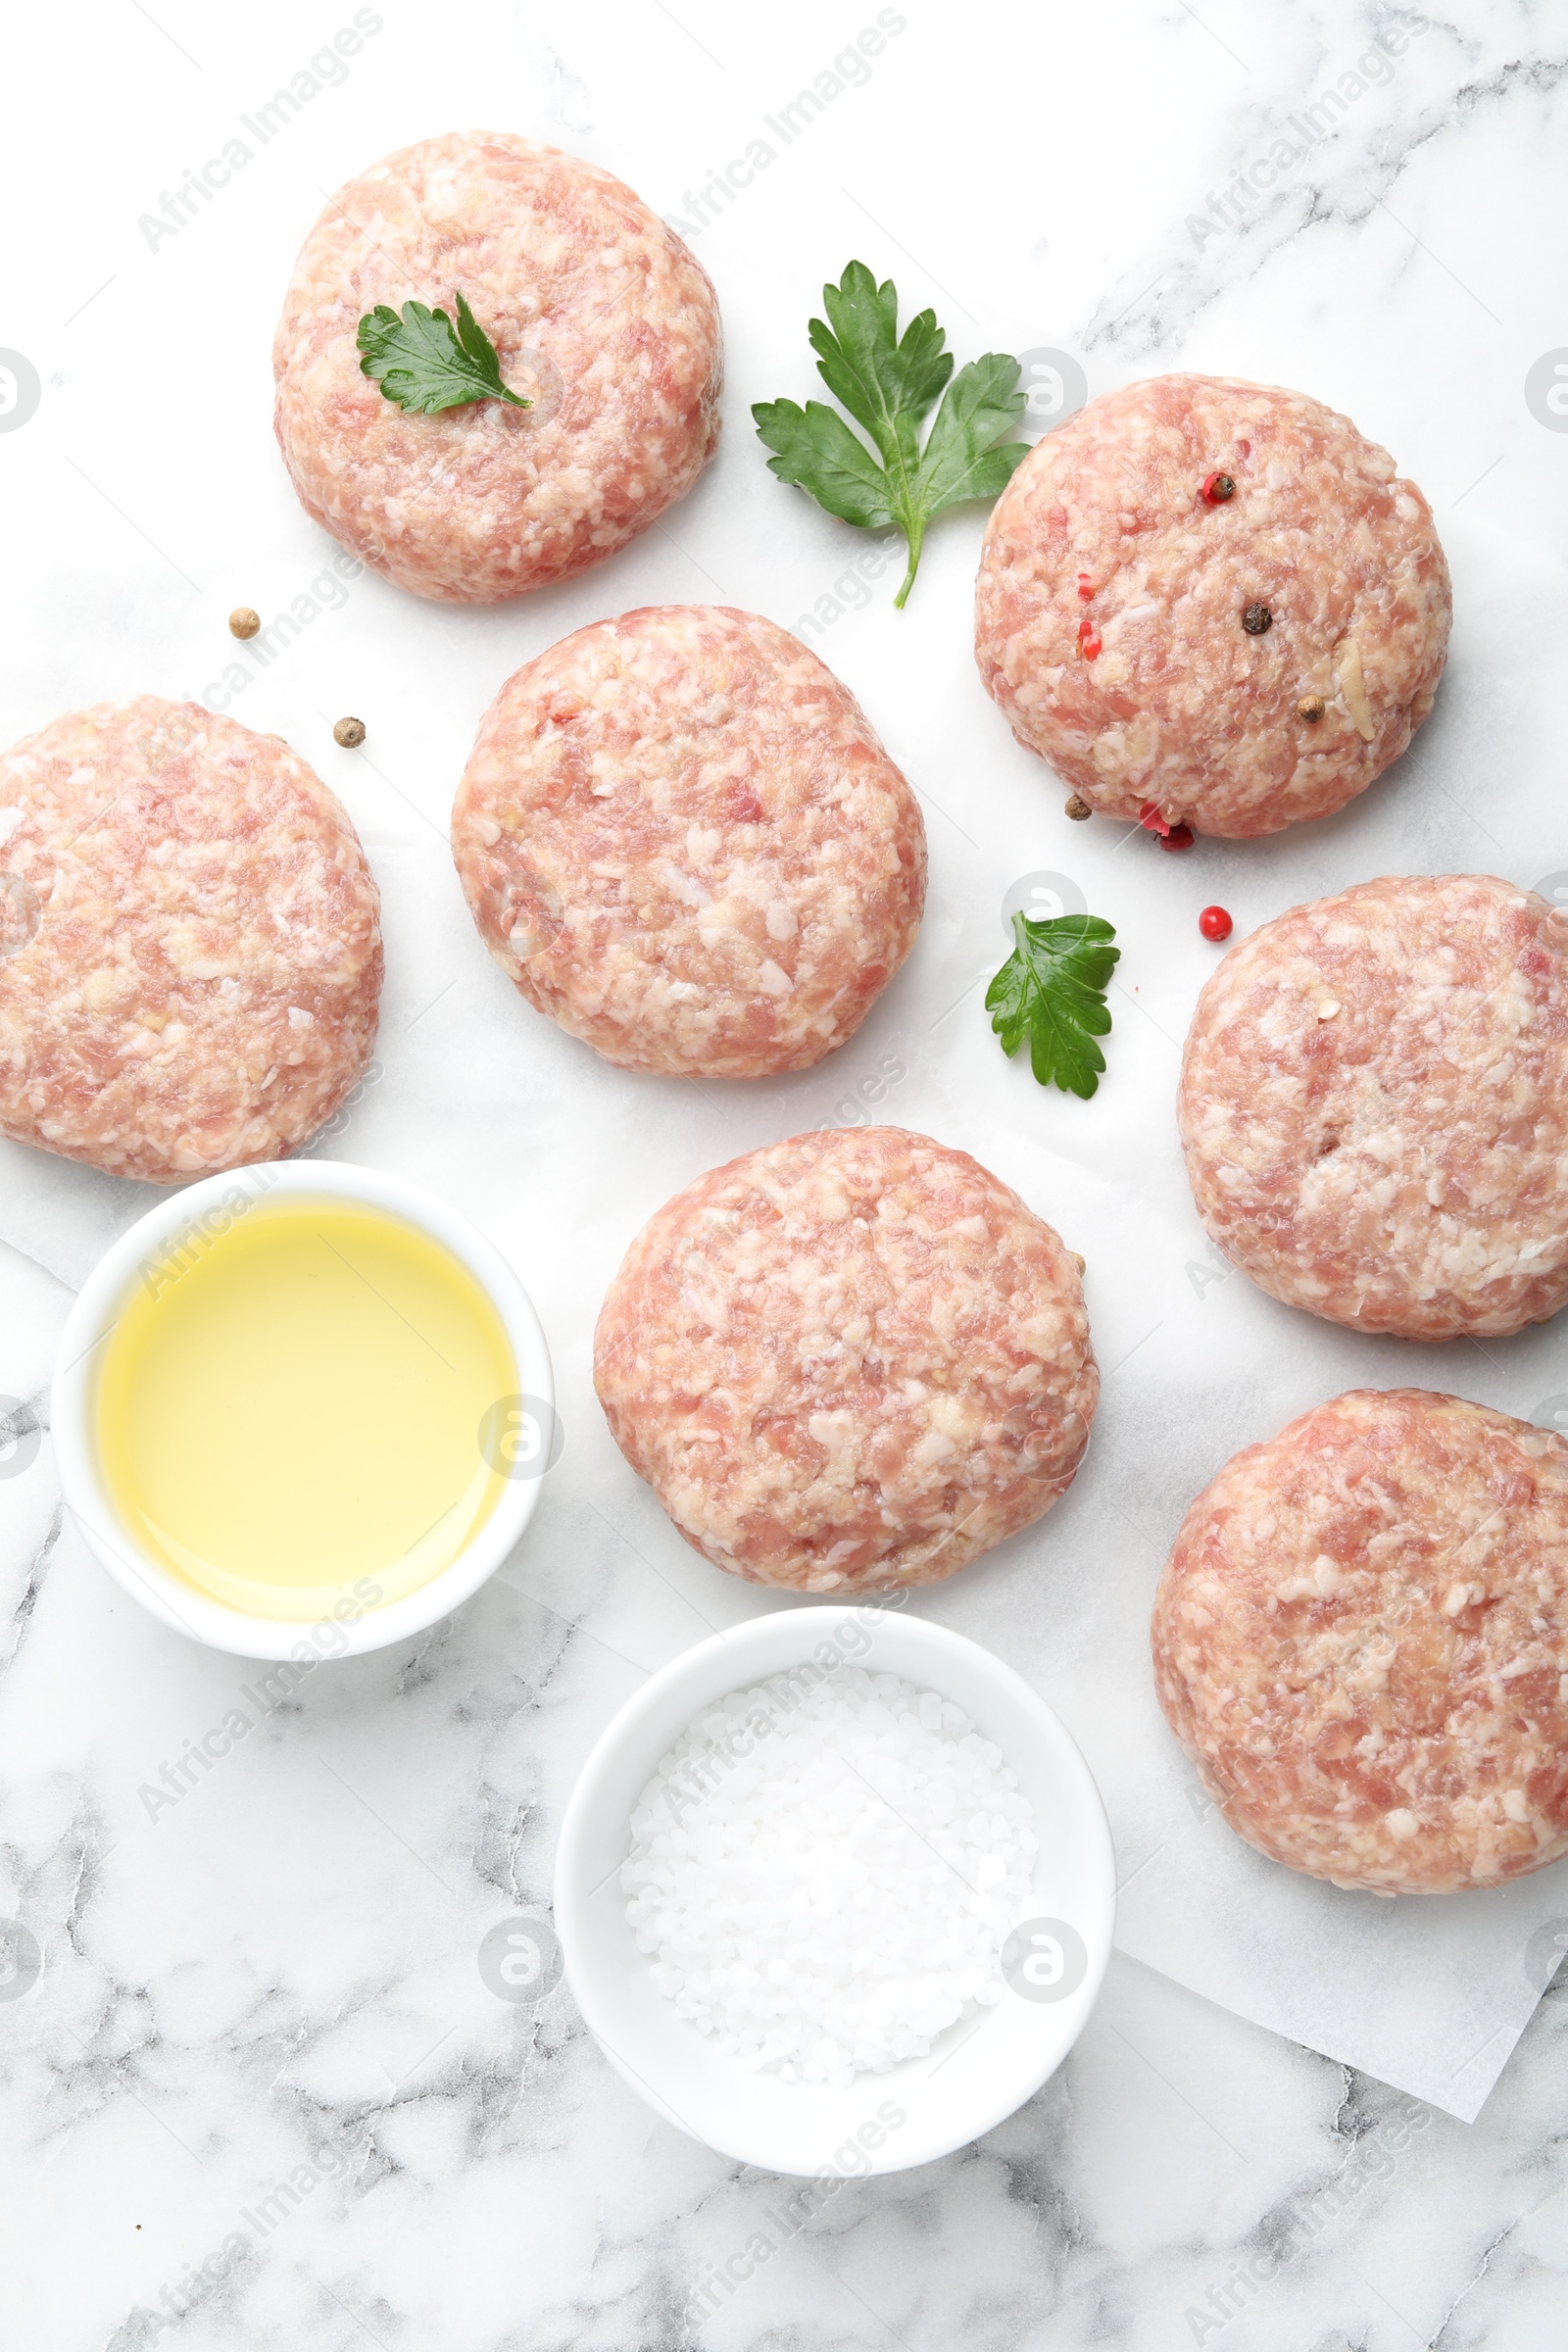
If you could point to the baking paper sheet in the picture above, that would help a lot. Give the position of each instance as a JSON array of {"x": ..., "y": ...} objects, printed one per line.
[{"x": 140, "y": 540}]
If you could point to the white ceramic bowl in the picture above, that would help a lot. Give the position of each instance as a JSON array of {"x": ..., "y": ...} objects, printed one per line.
[
  {"x": 982, "y": 2068},
  {"x": 99, "y": 1303}
]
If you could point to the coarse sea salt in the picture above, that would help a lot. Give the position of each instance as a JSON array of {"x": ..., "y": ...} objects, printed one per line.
[{"x": 825, "y": 1870}]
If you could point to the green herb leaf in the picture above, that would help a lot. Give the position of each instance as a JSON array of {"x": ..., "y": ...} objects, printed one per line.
[
  {"x": 817, "y": 449},
  {"x": 889, "y": 383},
  {"x": 960, "y": 461},
  {"x": 1053, "y": 986},
  {"x": 425, "y": 364}
]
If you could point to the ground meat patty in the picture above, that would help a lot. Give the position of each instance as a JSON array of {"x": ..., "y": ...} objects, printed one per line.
[
  {"x": 1374, "y": 1105},
  {"x": 849, "y": 1361},
  {"x": 1361, "y": 1640},
  {"x": 1110, "y": 614},
  {"x": 598, "y": 313},
  {"x": 681, "y": 840},
  {"x": 191, "y": 943}
]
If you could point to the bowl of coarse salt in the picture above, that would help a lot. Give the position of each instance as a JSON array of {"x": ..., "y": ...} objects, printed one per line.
[{"x": 835, "y": 1892}]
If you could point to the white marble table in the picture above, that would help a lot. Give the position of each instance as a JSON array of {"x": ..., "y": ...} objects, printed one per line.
[{"x": 262, "y": 2092}]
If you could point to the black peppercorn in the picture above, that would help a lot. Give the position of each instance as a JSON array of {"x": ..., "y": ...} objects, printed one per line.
[{"x": 1256, "y": 619}]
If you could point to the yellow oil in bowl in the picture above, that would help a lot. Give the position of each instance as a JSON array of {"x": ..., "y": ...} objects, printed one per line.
[{"x": 289, "y": 1411}]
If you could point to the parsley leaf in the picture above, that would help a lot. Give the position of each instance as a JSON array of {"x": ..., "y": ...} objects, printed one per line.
[
  {"x": 890, "y": 383},
  {"x": 425, "y": 364},
  {"x": 1054, "y": 986}
]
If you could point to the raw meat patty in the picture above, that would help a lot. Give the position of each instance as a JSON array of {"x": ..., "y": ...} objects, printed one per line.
[
  {"x": 599, "y": 314},
  {"x": 849, "y": 1361},
  {"x": 681, "y": 840},
  {"x": 1374, "y": 1105},
  {"x": 1361, "y": 1640},
  {"x": 191, "y": 943},
  {"x": 1103, "y": 537}
]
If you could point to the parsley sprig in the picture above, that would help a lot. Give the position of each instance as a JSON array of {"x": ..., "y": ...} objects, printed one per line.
[
  {"x": 425, "y": 364},
  {"x": 890, "y": 384},
  {"x": 1053, "y": 986}
]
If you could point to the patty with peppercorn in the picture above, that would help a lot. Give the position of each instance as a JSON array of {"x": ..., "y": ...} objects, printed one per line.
[
  {"x": 1361, "y": 1639},
  {"x": 1374, "y": 1106},
  {"x": 1212, "y": 604}
]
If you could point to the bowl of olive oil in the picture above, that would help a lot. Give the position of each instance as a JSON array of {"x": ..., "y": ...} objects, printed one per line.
[{"x": 303, "y": 1402}]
